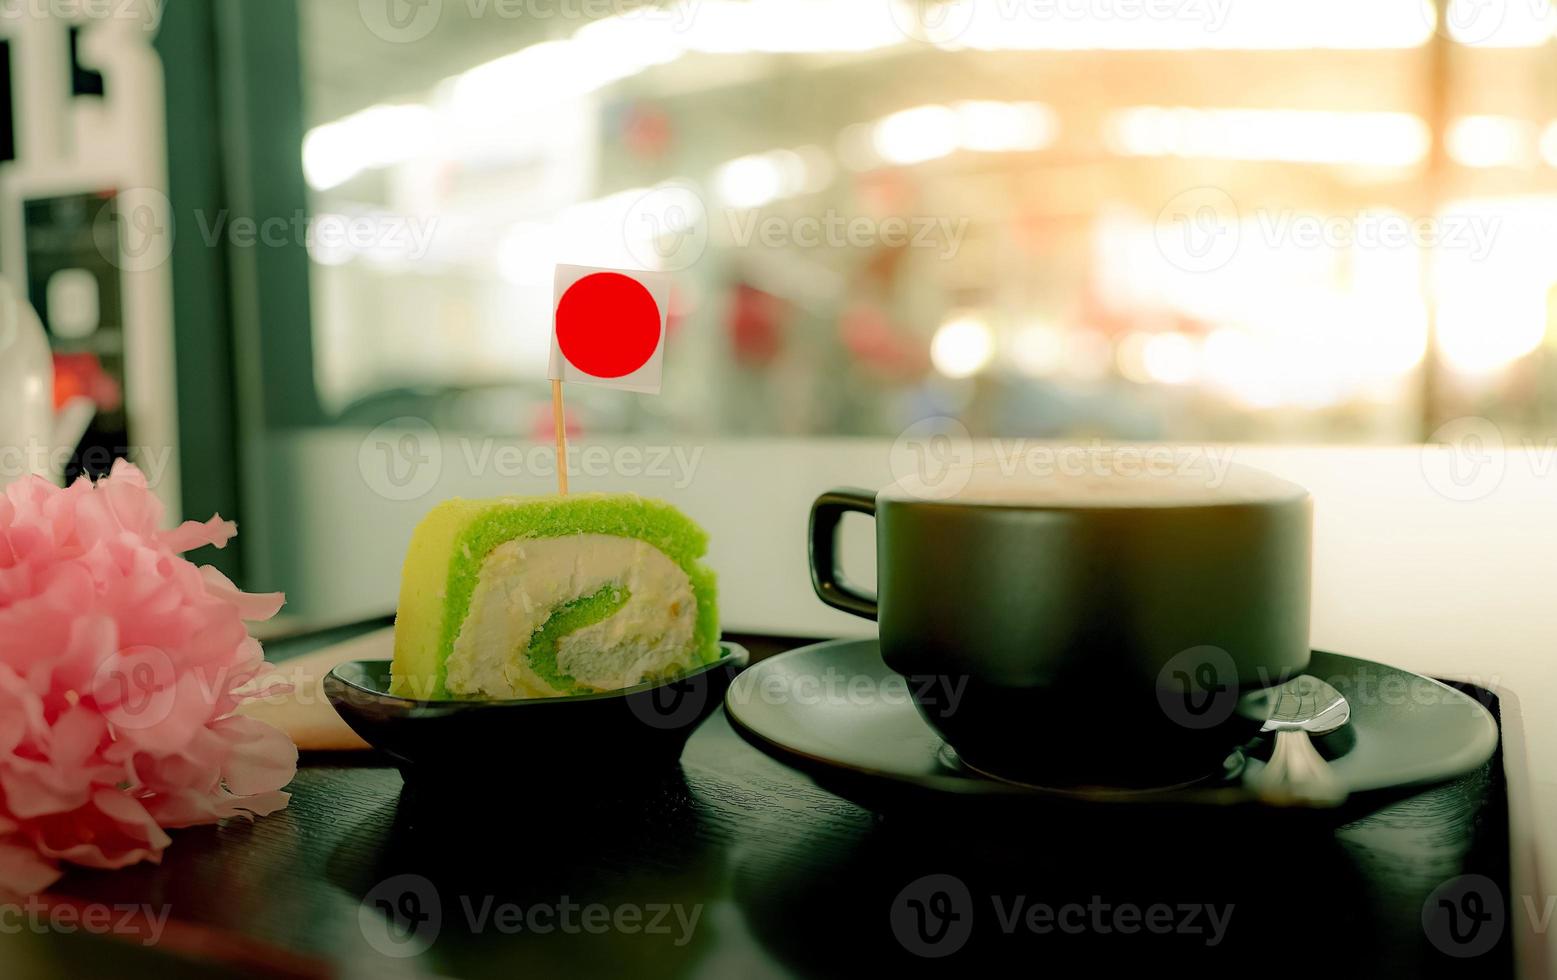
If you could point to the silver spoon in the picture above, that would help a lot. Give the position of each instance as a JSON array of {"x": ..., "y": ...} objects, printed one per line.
[{"x": 1296, "y": 772}]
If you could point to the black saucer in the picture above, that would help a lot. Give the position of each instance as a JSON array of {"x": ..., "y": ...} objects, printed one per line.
[
  {"x": 1231, "y": 769},
  {"x": 838, "y": 713},
  {"x": 581, "y": 740}
]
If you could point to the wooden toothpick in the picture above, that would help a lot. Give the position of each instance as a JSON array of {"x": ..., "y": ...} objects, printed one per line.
[{"x": 559, "y": 417}]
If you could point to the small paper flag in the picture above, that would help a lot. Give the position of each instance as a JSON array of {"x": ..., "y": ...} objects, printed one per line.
[{"x": 608, "y": 328}]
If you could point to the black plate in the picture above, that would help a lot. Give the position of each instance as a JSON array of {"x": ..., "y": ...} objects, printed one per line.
[
  {"x": 585, "y": 739},
  {"x": 842, "y": 715}
]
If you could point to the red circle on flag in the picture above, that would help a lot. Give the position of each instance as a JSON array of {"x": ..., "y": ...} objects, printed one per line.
[{"x": 608, "y": 325}]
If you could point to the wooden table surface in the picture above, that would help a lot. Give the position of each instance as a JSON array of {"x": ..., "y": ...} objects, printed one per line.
[{"x": 738, "y": 865}]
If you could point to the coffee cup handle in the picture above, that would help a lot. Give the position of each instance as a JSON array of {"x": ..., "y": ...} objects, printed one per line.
[{"x": 826, "y": 576}]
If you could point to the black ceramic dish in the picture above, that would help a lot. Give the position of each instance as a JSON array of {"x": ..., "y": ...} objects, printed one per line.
[
  {"x": 586, "y": 739},
  {"x": 836, "y": 711}
]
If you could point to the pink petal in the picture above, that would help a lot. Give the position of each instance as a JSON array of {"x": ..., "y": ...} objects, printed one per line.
[
  {"x": 259, "y": 805},
  {"x": 166, "y": 720},
  {"x": 185, "y": 808},
  {"x": 34, "y": 790},
  {"x": 21, "y": 712},
  {"x": 75, "y": 737},
  {"x": 251, "y": 606},
  {"x": 195, "y": 534},
  {"x": 134, "y": 506},
  {"x": 125, "y": 472},
  {"x": 189, "y": 808},
  {"x": 263, "y": 757},
  {"x": 86, "y": 658},
  {"x": 22, "y": 871},
  {"x": 114, "y": 832}
]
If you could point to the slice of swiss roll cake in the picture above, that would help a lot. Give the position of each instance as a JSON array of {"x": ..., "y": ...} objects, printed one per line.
[{"x": 528, "y": 597}]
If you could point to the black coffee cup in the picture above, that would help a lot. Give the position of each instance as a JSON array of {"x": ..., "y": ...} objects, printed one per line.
[{"x": 1091, "y": 625}]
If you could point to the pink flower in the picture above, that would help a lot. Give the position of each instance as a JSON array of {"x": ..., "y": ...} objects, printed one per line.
[{"x": 120, "y": 667}]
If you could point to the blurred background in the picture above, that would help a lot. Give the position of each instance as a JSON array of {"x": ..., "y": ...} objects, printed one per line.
[
  {"x": 1186, "y": 219},
  {"x": 256, "y": 231}
]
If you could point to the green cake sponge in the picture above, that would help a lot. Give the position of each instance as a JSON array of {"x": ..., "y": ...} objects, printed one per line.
[{"x": 523, "y": 597}]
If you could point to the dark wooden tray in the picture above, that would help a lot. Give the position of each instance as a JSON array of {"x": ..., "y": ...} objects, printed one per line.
[{"x": 788, "y": 878}]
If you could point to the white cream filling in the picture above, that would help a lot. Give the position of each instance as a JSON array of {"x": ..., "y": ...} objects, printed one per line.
[{"x": 523, "y": 581}]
